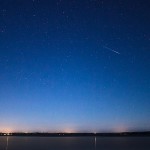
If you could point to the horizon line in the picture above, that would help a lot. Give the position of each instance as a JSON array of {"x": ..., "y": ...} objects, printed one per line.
[{"x": 37, "y": 132}]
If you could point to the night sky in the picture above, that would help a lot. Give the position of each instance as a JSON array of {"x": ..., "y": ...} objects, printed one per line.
[{"x": 74, "y": 65}]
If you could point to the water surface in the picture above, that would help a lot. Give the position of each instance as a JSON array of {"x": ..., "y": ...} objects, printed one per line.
[{"x": 74, "y": 143}]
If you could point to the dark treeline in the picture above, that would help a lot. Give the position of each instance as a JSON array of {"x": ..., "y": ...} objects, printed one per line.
[{"x": 77, "y": 134}]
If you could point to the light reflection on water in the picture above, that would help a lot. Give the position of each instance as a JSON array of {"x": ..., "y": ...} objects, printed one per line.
[
  {"x": 95, "y": 142},
  {"x": 7, "y": 140}
]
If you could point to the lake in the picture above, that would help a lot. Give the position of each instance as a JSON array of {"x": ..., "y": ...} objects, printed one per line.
[{"x": 74, "y": 143}]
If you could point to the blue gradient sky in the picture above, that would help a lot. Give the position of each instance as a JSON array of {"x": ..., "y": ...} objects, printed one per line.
[{"x": 74, "y": 66}]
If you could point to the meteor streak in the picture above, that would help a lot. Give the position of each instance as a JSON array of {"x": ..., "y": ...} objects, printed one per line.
[{"x": 111, "y": 50}]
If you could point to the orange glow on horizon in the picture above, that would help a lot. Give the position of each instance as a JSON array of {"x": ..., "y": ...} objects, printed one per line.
[
  {"x": 120, "y": 129},
  {"x": 6, "y": 130},
  {"x": 69, "y": 130}
]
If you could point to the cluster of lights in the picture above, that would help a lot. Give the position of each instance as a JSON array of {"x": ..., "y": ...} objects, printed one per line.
[{"x": 6, "y": 134}]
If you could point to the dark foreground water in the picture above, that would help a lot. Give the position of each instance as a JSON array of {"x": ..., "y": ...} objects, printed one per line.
[{"x": 74, "y": 143}]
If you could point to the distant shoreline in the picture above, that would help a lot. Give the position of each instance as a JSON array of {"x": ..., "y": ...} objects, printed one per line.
[{"x": 37, "y": 134}]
